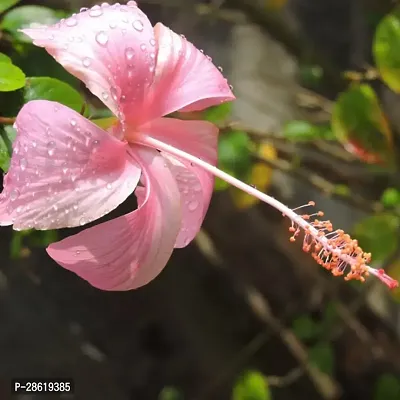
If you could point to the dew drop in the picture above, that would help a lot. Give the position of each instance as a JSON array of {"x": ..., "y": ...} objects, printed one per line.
[
  {"x": 143, "y": 47},
  {"x": 129, "y": 53},
  {"x": 197, "y": 187},
  {"x": 102, "y": 38},
  {"x": 152, "y": 42},
  {"x": 71, "y": 21},
  {"x": 220, "y": 69},
  {"x": 77, "y": 252},
  {"x": 51, "y": 147},
  {"x": 86, "y": 62},
  {"x": 14, "y": 194},
  {"x": 82, "y": 221},
  {"x": 231, "y": 87},
  {"x": 55, "y": 207},
  {"x": 23, "y": 163},
  {"x": 96, "y": 11},
  {"x": 83, "y": 9},
  {"x": 192, "y": 206},
  {"x": 132, "y": 3},
  {"x": 34, "y": 144},
  {"x": 138, "y": 25},
  {"x": 105, "y": 96},
  {"x": 109, "y": 186},
  {"x": 114, "y": 93},
  {"x": 112, "y": 24},
  {"x": 73, "y": 122},
  {"x": 75, "y": 207}
]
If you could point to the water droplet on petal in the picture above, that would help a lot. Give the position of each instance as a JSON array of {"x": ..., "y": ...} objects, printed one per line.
[
  {"x": 86, "y": 62},
  {"x": 102, "y": 38},
  {"x": 96, "y": 11},
  {"x": 23, "y": 163},
  {"x": 114, "y": 93},
  {"x": 105, "y": 96},
  {"x": 132, "y": 3},
  {"x": 55, "y": 207},
  {"x": 129, "y": 53},
  {"x": 152, "y": 42},
  {"x": 77, "y": 252},
  {"x": 72, "y": 21},
  {"x": 75, "y": 207},
  {"x": 73, "y": 122},
  {"x": 14, "y": 194},
  {"x": 51, "y": 147},
  {"x": 82, "y": 221},
  {"x": 197, "y": 187},
  {"x": 113, "y": 24},
  {"x": 109, "y": 186},
  {"x": 220, "y": 69},
  {"x": 192, "y": 206},
  {"x": 138, "y": 25},
  {"x": 83, "y": 9},
  {"x": 143, "y": 47},
  {"x": 105, "y": 4},
  {"x": 34, "y": 144}
]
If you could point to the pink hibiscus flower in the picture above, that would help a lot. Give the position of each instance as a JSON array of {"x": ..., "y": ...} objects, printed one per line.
[{"x": 66, "y": 171}]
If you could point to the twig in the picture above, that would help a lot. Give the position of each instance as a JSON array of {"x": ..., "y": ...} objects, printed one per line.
[
  {"x": 7, "y": 121},
  {"x": 322, "y": 184}
]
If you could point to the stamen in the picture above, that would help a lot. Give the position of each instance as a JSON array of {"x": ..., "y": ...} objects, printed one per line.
[{"x": 334, "y": 250}]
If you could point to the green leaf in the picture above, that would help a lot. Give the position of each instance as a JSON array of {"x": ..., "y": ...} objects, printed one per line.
[
  {"x": 359, "y": 123},
  {"x": 306, "y": 328},
  {"x": 234, "y": 153},
  {"x": 218, "y": 114},
  {"x": 5, "y": 59},
  {"x": 7, "y": 137},
  {"x": 11, "y": 77},
  {"x": 386, "y": 49},
  {"x": 322, "y": 356},
  {"x": 390, "y": 197},
  {"x": 105, "y": 123},
  {"x": 251, "y": 386},
  {"x": 303, "y": 131},
  {"x": 6, "y": 4},
  {"x": 52, "y": 89},
  {"x": 43, "y": 238},
  {"x": 387, "y": 388},
  {"x": 378, "y": 235},
  {"x": 28, "y": 16},
  {"x": 170, "y": 393}
]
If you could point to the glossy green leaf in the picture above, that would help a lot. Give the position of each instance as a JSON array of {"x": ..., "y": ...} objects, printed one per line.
[
  {"x": 359, "y": 123},
  {"x": 251, "y": 386},
  {"x": 387, "y": 387},
  {"x": 11, "y": 77},
  {"x": 322, "y": 356},
  {"x": 378, "y": 235},
  {"x": 390, "y": 197},
  {"x": 170, "y": 393},
  {"x": 6, "y": 4},
  {"x": 386, "y": 49},
  {"x": 7, "y": 137},
  {"x": 27, "y": 16},
  {"x": 45, "y": 88},
  {"x": 306, "y": 328},
  {"x": 5, "y": 59},
  {"x": 303, "y": 131},
  {"x": 218, "y": 114},
  {"x": 234, "y": 153}
]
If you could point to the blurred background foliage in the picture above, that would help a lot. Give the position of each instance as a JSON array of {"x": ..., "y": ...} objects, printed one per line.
[{"x": 270, "y": 325}]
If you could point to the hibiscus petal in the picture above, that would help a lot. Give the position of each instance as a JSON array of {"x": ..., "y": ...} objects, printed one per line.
[
  {"x": 65, "y": 171},
  {"x": 200, "y": 139},
  {"x": 185, "y": 79},
  {"x": 129, "y": 251},
  {"x": 110, "y": 48}
]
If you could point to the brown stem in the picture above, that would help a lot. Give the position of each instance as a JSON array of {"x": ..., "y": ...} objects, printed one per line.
[{"x": 7, "y": 120}]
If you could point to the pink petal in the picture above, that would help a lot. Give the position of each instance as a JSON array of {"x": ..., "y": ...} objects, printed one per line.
[
  {"x": 129, "y": 251},
  {"x": 65, "y": 171},
  {"x": 186, "y": 79},
  {"x": 200, "y": 139},
  {"x": 110, "y": 48}
]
